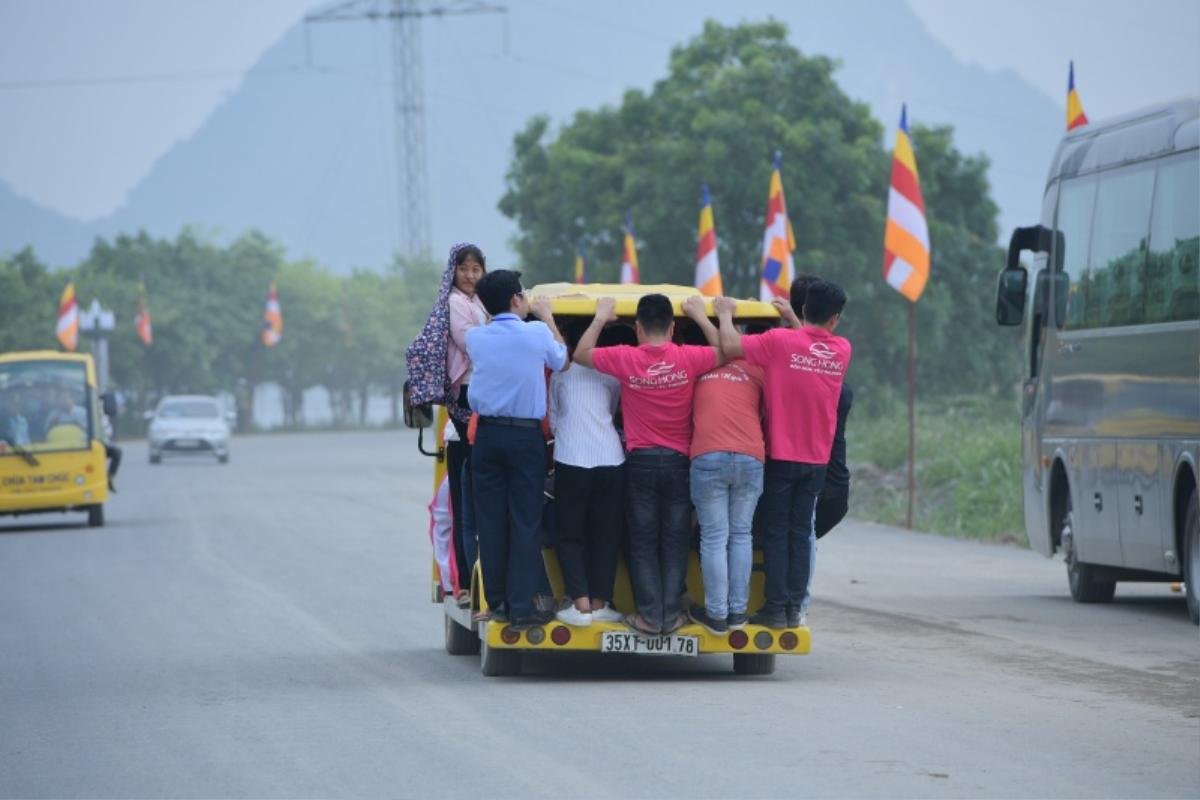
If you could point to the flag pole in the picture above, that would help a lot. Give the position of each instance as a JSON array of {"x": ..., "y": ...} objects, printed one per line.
[{"x": 912, "y": 391}]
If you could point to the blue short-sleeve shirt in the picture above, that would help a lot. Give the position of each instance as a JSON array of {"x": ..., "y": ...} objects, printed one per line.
[{"x": 509, "y": 358}]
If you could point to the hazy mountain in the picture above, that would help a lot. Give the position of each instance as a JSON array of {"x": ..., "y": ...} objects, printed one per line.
[{"x": 304, "y": 149}]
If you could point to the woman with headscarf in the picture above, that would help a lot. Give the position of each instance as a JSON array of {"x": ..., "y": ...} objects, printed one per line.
[{"x": 439, "y": 371}]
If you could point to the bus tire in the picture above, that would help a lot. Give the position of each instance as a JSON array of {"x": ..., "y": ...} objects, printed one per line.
[
  {"x": 155, "y": 458},
  {"x": 498, "y": 663},
  {"x": 460, "y": 641},
  {"x": 1081, "y": 578},
  {"x": 754, "y": 664},
  {"x": 96, "y": 516},
  {"x": 1191, "y": 556}
]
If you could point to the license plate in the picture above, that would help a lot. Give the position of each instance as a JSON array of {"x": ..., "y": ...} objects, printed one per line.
[
  {"x": 187, "y": 443},
  {"x": 671, "y": 644}
]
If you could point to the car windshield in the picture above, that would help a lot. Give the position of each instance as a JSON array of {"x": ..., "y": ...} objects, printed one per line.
[
  {"x": 44, "y": 406},
  {"x": 189, "y": 409}
]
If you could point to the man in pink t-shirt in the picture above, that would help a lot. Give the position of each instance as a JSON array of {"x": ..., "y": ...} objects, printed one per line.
[
  {"x": 803, "y": 370},
  {"x": 657, "y": 380}
]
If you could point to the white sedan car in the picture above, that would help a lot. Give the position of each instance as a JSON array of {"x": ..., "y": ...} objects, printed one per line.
[{"x": 189, "y": 425}]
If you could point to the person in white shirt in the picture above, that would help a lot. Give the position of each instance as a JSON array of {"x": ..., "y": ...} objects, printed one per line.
[{"x": 589, "y": 487}]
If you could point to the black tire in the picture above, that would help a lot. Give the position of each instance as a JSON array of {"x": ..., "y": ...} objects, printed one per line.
[
  {"x": 496, "y": 663},
  {"x": 155, "y": 458},
  {"x": 460, "y": 641},
  {"x": 1191, "y": 556},
  {"x": 754, "y": 664},
  {"x": 96, "y": 516},
  {"x": 1081, "y": 578},
  {"x": 223, "y": 459}
]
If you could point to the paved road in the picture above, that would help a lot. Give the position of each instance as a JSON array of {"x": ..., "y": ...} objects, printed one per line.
[{"x": 263, "y": 629}]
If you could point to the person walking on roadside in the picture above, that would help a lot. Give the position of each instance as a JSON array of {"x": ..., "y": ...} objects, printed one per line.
[
  {"x": 657, "y": 379},
  {"x": 726, "y": 480},
  {"x": 803, "y": 369},
  {"x": 508, "y": 460}
]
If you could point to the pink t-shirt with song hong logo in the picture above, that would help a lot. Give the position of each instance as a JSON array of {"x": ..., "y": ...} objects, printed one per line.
[
  {"x": 803, "y": 380},
  {"x": 657, "y": 383}
]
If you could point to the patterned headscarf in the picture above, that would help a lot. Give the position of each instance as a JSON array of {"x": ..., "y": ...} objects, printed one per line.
[{"x": 428, "y": 375}]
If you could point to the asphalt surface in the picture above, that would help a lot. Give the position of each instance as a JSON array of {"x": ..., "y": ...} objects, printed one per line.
[{"x": 264, "y": 629}]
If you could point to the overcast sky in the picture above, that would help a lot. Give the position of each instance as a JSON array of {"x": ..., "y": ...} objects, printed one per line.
[{"x": 105, "y": 88}]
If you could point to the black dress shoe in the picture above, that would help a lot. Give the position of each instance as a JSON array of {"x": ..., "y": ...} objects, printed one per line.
[
  {"x": 770, "y": 619},
  {"x": 532, "y": 621}
]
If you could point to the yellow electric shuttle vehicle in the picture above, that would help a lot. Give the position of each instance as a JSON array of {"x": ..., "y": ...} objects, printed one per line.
[
  {"x": 753, "y": 647},
  {"x": 52, "y": 456}
]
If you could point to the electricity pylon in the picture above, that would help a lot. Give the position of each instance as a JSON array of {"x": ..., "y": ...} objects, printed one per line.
[{"x": 408, "y": 99}]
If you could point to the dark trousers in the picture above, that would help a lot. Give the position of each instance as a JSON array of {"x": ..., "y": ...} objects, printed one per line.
[
  {"x": 790, "y": 492},
  {"x": 659, "y": 515},
  {"x": 508, "y": 467},
  {"x": 458, "y": 467},
  {"x": 830, "y": 511},
  {"x": 589, "y": 510}
]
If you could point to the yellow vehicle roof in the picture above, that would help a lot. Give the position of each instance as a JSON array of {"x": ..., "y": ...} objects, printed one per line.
[
  {"x": 52, "y": 355},
  {"x": 580, "y": 298}
]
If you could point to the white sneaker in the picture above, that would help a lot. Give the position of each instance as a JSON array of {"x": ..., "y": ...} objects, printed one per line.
[
  {"x": 607, "y": 614},
  {"x": 573, "y": 616}
]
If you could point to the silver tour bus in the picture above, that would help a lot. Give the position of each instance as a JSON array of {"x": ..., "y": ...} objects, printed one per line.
[{"x": 1110, "y": 309}]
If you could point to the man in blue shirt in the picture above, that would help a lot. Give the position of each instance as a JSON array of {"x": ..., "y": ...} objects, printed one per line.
[{"x": 508, "y": 391}]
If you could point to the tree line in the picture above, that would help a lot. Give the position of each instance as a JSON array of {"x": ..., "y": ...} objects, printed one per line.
[{"x": 731, "y": 97}]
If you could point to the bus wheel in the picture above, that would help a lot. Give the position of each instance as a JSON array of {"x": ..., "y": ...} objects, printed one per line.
[
  {"x": 460, "y": 641},
  {"x": 96, "y": 516},
  {"x": 496, "y": 663},
  {"x": 1085, "y": 587},
  {"x": 1191, "y": 557},
  {"x": 753, "y": 664}
]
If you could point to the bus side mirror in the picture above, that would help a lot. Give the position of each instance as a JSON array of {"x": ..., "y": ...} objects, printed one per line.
[
  {"x": 108, "y": 403},
  {"x": 1010, "y": 296}
]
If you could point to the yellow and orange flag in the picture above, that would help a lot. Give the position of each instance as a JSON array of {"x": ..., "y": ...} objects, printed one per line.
[
  {"x": 779, "y": 242},
  {"x": 1075, "y": 115},
  {"x": 629, "y": 263},
  {"x": 272, "y": 330},
  {"x": 708, "y": 270},
  {"x": 141, "y": 320},
  {"x": 906, "y": 236},
  {"x": 67, "y": 329}
]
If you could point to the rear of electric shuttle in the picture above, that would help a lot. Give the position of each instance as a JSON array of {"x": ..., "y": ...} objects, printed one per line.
[{"x": 1110, "y": 310}]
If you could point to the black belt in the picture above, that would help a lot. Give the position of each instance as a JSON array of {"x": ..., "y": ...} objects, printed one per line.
[{"x": 516, "y": 422}]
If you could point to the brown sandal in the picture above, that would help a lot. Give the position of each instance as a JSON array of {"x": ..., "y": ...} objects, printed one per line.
[{"x": 636, "y": 622}]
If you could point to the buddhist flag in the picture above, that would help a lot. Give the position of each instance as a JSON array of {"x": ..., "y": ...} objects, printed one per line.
[
  {"x": 708, "y": 271},
  {"x": 778, "y": 241},
  {"x": 272, "y": 330},
  {"x": 906, "y": 237},
  {"x": 629, "y": 265},
  {"x": 67, "y": 329},
  {"x": 580, "y": 264},
  {"x": 1075, "y": 115},
  {"x": 141, "y": 320}
]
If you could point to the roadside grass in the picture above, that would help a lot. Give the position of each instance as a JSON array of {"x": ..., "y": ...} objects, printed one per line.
[{"x": 968, "y": 467}]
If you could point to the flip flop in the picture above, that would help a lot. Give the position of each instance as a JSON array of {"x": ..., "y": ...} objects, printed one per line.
[{"x": 633, "y": 621}]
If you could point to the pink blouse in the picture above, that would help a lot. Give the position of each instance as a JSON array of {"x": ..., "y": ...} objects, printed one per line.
[{"x": 465, "y": 313}]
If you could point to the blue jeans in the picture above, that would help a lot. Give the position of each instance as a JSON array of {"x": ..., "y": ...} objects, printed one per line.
[
  {"x": 725, "y": 490},
  {"x": 790, "y": 491}
]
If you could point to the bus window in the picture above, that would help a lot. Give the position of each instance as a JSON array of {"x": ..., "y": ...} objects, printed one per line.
[
  {"x": 1118, "y": 251},
  {"x": 1172, "y": 281},
  {"x": 1075, "y": 224}
]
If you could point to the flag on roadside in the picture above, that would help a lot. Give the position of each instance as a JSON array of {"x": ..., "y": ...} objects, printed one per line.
[
  {"x": 708, "y": 271},
  {"x": 580, "y": 264},
  {"x": 906, "y": 236},
  {"x": 629, "y": 264},
  {"x": 67, "y": 329},
  {"x": 272, "y": 330},
  {"x": 141, "y": 320},
  {"x": 1075, "y": 115},
  {"x": 779, "y": 242}
]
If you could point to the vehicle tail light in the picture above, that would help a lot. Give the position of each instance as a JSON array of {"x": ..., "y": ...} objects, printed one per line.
[
  {"x": 762, "y": 640},
  {"x": 560, "y": 635},
  {"x": 788, "y": 640},
  {"x": 738, "y": 639},
  {"x": 88, "y": 468},
  {"x": 509, "y": 636},
  {"x": 536, "y": 635}
]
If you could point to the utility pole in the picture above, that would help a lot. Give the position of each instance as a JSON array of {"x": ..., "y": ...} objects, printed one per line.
[{"x": 408, "y": 102}]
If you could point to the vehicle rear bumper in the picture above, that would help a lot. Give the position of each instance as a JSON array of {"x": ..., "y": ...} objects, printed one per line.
[{"x": 34, "y": 502}]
